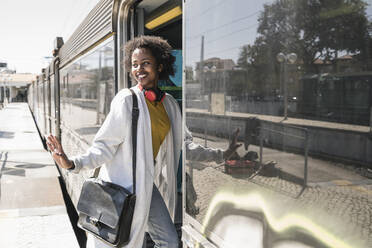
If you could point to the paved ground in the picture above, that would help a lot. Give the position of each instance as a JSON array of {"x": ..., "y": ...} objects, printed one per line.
[{"x": 32, "y": 209}]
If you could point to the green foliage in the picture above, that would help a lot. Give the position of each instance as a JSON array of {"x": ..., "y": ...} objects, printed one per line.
[{"x": 313, "y": 29}]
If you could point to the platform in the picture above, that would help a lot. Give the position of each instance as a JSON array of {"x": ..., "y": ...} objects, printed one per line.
[{"x": 32, "y": 208}]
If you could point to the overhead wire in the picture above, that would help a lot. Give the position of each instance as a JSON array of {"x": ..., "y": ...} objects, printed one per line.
[
  {"x": 209, "y": 9},
  {"x": 68, "y": 18},
  {"x": 224, "y": 25},
  {"x": 226, "y": 35},
  {"x": 218, "y": 52}
]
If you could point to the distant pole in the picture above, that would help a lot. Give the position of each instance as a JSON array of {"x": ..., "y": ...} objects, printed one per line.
[
  {"x": 281, "y": 75},
  {"x": 370, "y": 120},
  {"x": 202, "y": 65},
  {"x": 202, "y": 82},
  {"x": 1, "y": 93},
  {"x": 99, "y": 77},
  {"x": 285, "y": 95},
  {"x": 284, "y": 59}
]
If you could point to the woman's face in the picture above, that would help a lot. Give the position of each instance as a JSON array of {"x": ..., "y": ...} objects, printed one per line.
[{"x": 145, "y": 69}]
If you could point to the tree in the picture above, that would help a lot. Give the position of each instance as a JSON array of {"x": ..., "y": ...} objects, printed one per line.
[
  {"x": 330, "y": 27},
  {"x": 313, "y": 29}
]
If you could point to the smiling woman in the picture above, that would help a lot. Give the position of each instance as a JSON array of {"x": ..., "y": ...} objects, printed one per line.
[
  {"x": 149, "y": 58},
  {"x": 154, "y": 52},
  {"x": 145, "y": 69}
]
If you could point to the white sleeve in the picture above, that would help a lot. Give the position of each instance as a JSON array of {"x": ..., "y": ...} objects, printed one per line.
[
  {"x": 109, "y": 136},
  {"x": 200, "y": 153}
]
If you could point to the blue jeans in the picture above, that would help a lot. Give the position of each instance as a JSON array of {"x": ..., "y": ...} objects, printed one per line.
[{"x": 160, "y": 225}]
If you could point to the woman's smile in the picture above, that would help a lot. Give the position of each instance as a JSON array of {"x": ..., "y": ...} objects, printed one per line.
[{"x": 141, "y": 75}]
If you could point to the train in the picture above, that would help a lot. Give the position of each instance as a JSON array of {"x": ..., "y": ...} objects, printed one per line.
[
  {"x": 311, "y": 181},
  {"x": 339, "y": 97}
]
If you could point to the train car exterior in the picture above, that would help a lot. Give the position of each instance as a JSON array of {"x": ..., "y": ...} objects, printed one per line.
[
  {"x": 302, "y": 177},
  {"x": 38, "y": 95},
  {"x": 30, "y": 96},
  {"x": 73, "y": 94},
  {"x": 40, "y": 116}
]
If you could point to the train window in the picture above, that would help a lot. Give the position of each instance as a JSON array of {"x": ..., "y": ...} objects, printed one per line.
[
  {"x": 331, "y": 85},
  {"x": 291, "y": 80},
  {"x": 89, "y": 90},
  {"x": 47, "y": 105},
  {"x": 52, "y": 99},
  {"x": 64, "y": 82}
]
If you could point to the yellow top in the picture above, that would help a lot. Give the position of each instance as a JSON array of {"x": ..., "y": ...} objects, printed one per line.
[{"x": 160, "y": 124}]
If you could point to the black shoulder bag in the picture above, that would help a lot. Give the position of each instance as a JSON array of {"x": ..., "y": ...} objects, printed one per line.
[{"x": 106, "y": 209}]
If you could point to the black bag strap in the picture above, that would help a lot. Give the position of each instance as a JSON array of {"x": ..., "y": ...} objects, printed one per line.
[
  {"x": 135, "y": 114},
  {"x": 96, "y": 172}
]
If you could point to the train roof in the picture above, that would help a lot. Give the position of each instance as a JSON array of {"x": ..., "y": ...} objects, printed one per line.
[{"x": 96, "y": 26}]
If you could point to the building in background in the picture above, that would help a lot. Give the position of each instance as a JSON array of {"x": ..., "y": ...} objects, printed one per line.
[{"x": 13, "y": 86}]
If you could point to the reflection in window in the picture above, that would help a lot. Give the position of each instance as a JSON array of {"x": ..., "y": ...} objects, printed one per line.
[
  {"x": 87, "y": 90},
  {"x": 238, "y": 53},
  {"x": 295, "y": 77},
  {"x": 241, "y": 232}
]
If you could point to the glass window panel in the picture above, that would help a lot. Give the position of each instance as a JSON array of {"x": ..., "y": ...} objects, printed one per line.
[
  {"x": 87, "y": 88},
  {"x": 53, "y": 104},
  {"x": 52, "y": 97},
  {"x": 294, "y": 77}
]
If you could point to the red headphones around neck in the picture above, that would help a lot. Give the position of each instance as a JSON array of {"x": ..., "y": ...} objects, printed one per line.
[{"x": 153, "y": 95}]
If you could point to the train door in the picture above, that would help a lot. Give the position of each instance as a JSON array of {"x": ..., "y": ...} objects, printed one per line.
[
  {"x": 53, "y": 104},
  {"x": 164, "y": 19},
  {"x": 48, "y": 106},
  {"x": 46, "y": 103},
  {"x": 41, "y": 113},
  {"x": 55, "y": 69},
  {"x": 35, "y": 99},
  {"x": 161, "y": 18}
]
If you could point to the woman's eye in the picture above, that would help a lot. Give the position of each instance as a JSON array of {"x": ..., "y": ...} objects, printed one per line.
[{"x": 134, "y": 65}]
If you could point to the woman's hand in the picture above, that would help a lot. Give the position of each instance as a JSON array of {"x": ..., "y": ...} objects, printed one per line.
[
  {"x": 58, "y": 154},
  {"x": 231, "y": 150}
]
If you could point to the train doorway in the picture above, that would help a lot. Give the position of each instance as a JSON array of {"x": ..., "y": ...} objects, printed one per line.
[{"x": 164, "y": 19}]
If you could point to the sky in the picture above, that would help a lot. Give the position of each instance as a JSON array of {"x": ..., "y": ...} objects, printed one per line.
[
  {"x": 28, "y": 29},
  {"x": 227, "y": 29}
]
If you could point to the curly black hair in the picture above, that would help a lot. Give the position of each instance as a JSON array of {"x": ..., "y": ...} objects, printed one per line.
[{"x": 159, "y": 48}]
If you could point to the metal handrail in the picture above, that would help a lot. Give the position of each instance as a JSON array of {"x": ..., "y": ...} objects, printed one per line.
[{"x": 306, "y": 145}]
